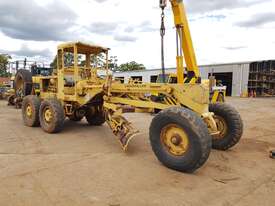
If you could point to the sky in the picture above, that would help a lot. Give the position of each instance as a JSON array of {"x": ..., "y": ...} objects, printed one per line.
[{"x": 222, "y": 31}]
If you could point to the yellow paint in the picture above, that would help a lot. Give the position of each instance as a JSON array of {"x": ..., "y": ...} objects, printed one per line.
[
  {"x": 174, "y": 139},
  {"x": 222, "y": 127},
  {"x": 75, "y": 89},
  {"x": 29, "y": 111},
  {"x": 180, "y": 70},
  {"x": 186, "y": 44},
  {"x": 48, "y": 115}
]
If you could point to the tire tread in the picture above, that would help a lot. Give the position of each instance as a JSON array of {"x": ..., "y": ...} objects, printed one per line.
[
  {"x": 59, "y": 116},
  {"x": 35, "y": 102}
]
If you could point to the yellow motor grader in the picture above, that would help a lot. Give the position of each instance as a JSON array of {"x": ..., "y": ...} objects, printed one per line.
[{"x": 181, "y": 135}]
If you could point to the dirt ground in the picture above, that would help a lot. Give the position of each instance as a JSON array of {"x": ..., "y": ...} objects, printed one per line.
[{"x": 84, "y": 165}]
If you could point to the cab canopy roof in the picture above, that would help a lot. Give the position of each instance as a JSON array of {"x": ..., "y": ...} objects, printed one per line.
[{"x": 82, "y": 48}]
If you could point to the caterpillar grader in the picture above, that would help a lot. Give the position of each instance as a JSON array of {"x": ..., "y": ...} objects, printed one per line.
[{"x": 181, "y": 135}]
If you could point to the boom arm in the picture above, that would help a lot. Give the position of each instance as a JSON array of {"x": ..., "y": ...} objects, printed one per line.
[{"x": 185, "y": 49}]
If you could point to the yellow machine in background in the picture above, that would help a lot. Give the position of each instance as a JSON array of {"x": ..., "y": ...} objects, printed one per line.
[
  {"x": 3, "y": 91},
  {"x": 217, "y": 90},
  {"x": 8, "y": 92},
  {"x": 25, "y": 82},
  {"x": 181, "y": 135}
]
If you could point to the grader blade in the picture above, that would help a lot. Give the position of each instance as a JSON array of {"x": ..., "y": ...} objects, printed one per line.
[
  {"x": 121, "y": 128},
  {"x": 126, "y": 135}
]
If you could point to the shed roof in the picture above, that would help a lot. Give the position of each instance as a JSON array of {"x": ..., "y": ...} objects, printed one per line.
[{"x": 83, "y": 47}]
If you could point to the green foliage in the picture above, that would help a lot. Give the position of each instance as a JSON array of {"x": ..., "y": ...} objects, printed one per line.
[
  {"x": 4, "y": 60},
  {"x": 68, "y": 59},
  {"x": 99, "y": 60},
  {"x": 130, "y": 66},
  {"x": 54, "y": 63},
  {"x": 112, "y": 64}
]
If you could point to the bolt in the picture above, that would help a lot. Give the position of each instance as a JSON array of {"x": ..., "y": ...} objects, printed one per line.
[{"x": 176, "y": 140}]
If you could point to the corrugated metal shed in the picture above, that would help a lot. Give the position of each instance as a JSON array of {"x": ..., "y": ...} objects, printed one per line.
[{"x": 239, "y": 72}]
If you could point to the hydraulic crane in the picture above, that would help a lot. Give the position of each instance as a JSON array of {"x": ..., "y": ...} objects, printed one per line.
[{"x": 185, "y": 49}]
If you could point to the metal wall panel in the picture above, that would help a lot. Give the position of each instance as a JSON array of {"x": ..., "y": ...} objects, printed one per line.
[{"x": 240, "y": 74}]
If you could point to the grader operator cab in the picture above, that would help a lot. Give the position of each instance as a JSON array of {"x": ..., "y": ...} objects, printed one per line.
[{"x": 181, "y": 135}]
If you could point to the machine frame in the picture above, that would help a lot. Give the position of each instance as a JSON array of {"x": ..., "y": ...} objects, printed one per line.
[{"x": 181, "y": 135}]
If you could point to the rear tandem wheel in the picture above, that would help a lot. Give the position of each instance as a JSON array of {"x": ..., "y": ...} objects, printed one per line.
[
  {"x": 30, "y": 110},
  {"x": 51, "y": 116}
]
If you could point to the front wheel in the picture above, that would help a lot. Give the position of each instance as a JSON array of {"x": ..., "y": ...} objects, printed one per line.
[
  {"x": 180, "y": 139},
  {"x": 230, "y": 126}
]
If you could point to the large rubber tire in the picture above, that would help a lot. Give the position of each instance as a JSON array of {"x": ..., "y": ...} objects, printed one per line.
[
  {"x": 32, "y": 102},
  {"x": 95, "y": 116},
  {"x": 197, "y": 133},
  {"x": 56, "y": 123},
  {"x": 23, "y": 82},
  {"x": 75, "y": 118},
  {"x": 11, "y": 100},
  {"x": 232, "y": 119}
]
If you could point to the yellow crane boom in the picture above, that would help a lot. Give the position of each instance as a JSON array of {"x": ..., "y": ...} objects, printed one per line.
[{"x": 185, "y": 49}]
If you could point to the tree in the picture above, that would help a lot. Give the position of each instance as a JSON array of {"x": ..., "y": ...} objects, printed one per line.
[
  {"x": 98, "y": 60},
  {"x": 54, "y": 63},
  {"x": 68, "y": 60},
  {"x": 4, "y": 61},
  {"x": 113, "y": 63},
  {"x": 130, "y": 66}
]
